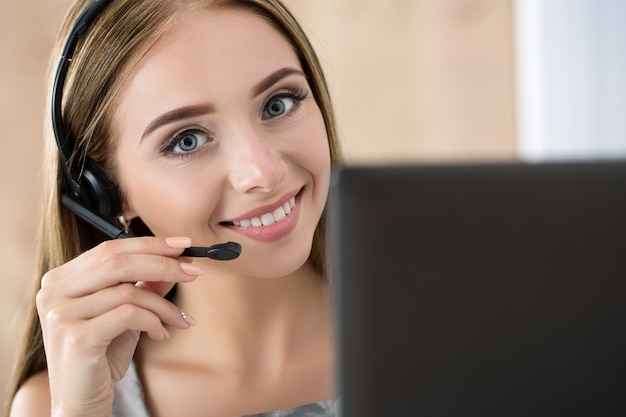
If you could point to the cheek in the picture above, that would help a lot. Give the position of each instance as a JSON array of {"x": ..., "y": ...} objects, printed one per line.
[
  {"x": 313, "y": 157},
  {"x": 315, "y": 151},
  {"x": 169, "y": 203},
  {"x": 321, "y": 162}
]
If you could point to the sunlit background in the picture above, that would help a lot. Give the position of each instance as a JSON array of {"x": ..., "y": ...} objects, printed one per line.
[{"x": 423, "y": 81}]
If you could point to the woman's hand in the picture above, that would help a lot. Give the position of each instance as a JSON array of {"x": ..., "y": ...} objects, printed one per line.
[{"x": 93, "y": 309}]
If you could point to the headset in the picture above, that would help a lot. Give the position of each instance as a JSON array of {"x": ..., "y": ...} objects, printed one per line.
[{"x": 91, "y": 194}]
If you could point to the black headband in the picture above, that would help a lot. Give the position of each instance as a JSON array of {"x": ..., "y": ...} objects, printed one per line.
[{"x": 66, "y": 144}]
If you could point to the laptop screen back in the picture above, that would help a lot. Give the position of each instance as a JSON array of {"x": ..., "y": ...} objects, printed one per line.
[{"x": 481, "y": 290}]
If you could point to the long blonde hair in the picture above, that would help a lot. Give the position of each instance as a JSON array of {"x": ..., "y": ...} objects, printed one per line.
[{"x": 104, "y": 58}]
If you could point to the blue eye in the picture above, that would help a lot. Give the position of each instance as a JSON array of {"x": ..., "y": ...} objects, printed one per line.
[
  {"x": 279, "y": 106},
  {"x": 185, "y": 142},
  {"x": 284, "y": 103}
]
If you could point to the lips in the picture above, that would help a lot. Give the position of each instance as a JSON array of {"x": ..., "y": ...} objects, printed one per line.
[{"x": 271, "y": 222}]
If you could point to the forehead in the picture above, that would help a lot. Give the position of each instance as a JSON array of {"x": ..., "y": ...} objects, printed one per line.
[
  {"x": 223, "y": 30},
  {"x": 216, "y": 48}
]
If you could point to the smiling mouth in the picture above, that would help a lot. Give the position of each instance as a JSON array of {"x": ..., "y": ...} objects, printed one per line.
[{"x": 266, "y": 219}]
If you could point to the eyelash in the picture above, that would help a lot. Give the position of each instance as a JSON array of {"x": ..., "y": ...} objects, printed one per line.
[{"x": 298, "y": 94}]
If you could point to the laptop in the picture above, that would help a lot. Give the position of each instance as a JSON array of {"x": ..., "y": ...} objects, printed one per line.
[{"x": 481, "y": 289}]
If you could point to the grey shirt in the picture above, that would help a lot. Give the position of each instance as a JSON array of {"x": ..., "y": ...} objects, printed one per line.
[{"x": 129, "y": 402}]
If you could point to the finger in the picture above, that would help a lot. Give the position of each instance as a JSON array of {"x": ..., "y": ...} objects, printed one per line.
[
  {"x": 94, "y": 305},
  {"x": 118, "y": 268},
  {"x": 102, "y": 330},
  {"x": 168, "y": 247}
]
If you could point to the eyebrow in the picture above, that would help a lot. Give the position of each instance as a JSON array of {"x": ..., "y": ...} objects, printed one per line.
[
  {"x": 273, "y": 78},
  {"x": 178, "y": 114},
  {"x": 198, "y": 110}
]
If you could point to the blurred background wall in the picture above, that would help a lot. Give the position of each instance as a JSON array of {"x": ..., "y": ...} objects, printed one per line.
[{"x": 413, "y": 81}]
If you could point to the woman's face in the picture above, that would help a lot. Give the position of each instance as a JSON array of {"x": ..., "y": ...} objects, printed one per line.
[{"x": 218, "y": 137}]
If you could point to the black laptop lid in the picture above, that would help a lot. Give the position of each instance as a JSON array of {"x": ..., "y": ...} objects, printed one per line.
[{"x": 481, "y": 290}]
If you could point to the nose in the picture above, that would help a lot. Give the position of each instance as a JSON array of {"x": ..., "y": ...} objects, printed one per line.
[{"x": 256, "y": 165}]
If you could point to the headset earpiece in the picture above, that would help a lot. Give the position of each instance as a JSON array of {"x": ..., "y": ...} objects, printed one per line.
[{"x": 98, "y": 192}]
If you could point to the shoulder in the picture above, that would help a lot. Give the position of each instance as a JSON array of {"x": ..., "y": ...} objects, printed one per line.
[{"x": 33, "y": 397}]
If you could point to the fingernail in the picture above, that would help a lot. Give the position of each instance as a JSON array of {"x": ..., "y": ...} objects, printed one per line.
[
  {"x": 178, "y": 242},
  {"x": 190, "y": 269},
  {"x": 188, "y": 318}
]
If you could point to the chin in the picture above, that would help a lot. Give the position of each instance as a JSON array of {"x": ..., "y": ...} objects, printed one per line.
[{"x": 280, "y": 263}]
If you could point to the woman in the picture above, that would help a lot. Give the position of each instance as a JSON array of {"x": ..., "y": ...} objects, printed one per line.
[{"x": 214, "y": 122}]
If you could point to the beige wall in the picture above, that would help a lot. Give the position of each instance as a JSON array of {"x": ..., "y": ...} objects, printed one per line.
[
  {"x": 418, "y": 79},
  {"x": 413, "y": 80}
]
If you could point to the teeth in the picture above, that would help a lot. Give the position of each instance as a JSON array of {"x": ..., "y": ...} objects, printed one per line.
[
  {"x": 269, "y": 219},
  {"x": 279, "y": 214}
]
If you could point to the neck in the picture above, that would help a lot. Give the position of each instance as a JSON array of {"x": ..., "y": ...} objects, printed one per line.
[{"x": 255, "y": 324}]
